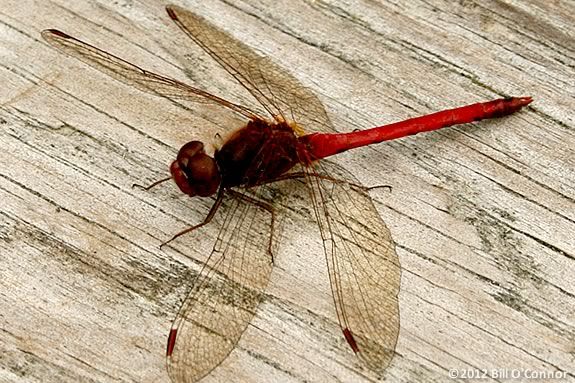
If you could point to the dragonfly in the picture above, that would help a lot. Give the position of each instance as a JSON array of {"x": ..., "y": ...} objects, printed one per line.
[{"x": 287, "y": 137}]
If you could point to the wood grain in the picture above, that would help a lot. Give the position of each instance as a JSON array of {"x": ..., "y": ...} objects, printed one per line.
[{"x": 483, "y": 215}]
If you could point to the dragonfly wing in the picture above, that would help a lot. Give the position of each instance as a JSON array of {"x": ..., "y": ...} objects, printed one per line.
[
  {"x": 281, "y": 94},
  {"x": 363, "y": 267},
  {"x": 224, "y": 295},
  {"x": 132, "y": 75}
]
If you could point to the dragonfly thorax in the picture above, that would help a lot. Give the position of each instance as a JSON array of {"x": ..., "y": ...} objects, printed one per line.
[{"x": 257, "y": 153}]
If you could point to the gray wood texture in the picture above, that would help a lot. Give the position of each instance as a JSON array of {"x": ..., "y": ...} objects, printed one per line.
[{"x": 483, "y": 215}]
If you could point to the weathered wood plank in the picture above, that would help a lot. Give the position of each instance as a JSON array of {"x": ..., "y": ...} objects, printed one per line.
[{"x": 483, "y": 215}]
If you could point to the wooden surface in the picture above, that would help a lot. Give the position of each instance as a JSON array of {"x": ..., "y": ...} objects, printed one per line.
[{"x": 483, "y": 215}]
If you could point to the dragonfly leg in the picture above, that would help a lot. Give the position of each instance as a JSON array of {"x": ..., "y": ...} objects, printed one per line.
[
  {"x": 265, "y": 206},
  {"x": 207, "y": 220},
  {"x": 296, "y": 175},
  {"x": 152, "y": 185}
]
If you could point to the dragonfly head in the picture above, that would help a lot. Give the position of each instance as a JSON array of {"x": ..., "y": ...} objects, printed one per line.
[{"x": 195, "y": 172}]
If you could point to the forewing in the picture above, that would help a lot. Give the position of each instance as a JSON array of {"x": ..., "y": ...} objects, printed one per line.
[
  {"x": 363, "y": 267},
  {"x": 281, "y": 94},
  {"x": 135, "y": 76},
  {"x": 224, "y": 295}
]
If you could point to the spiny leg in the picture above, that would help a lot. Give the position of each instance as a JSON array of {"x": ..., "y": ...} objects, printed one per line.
[
  {"x": 207, "y": 220},
  {"x": 152, "y": 185},
  {"x": 296, "y": 175}
]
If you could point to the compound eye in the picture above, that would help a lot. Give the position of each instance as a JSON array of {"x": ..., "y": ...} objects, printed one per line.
[
  {"x": 203, "y": 174},
  {"x": 194, "y": 171},
  {"x": 188, "y": 151}
]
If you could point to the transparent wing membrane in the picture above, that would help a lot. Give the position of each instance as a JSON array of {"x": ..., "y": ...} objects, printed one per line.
[
  {"x": 135, "y": 76},
  {"x": 281, "y": 94},
  {"x": 363, "y": 267},
  {"x": 224, "y": 295}
]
